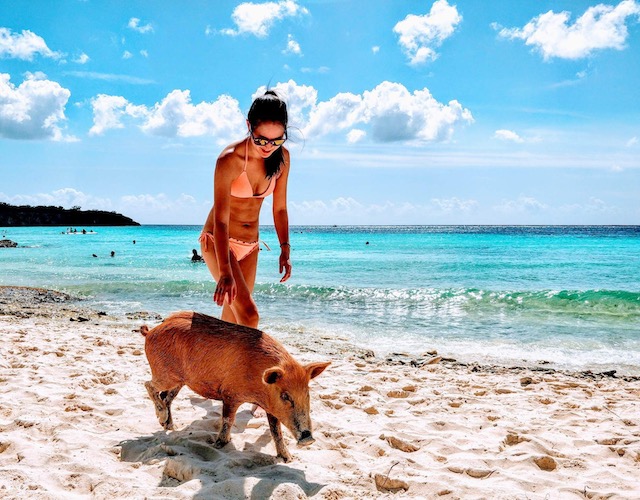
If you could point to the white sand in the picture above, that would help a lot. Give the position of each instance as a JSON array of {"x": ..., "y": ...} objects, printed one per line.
[{"x": 76, "y": 422}]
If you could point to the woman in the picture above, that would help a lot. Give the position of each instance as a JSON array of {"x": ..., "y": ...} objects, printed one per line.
[{"x": 246, "y": 173}]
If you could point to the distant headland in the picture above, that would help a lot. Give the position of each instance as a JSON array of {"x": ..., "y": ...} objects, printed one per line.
[{"x": 13, "y": 216}]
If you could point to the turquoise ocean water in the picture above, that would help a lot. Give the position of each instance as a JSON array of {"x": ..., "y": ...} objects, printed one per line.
[{"x": 569, "y": 296}]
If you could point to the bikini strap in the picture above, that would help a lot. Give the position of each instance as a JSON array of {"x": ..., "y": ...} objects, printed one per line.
[{"x": 246, "y": 154}]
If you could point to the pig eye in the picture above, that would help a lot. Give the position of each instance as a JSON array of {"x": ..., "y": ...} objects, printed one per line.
[{"x": 285, "y": 397}]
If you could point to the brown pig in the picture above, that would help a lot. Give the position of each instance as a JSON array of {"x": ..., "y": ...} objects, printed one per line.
[{"x": 231, "y": 363}]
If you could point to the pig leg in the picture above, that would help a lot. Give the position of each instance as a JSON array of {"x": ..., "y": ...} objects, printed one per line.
[
  {"x": 229, "y": 409},
  {"x": 278, "y": 439},
  {"x": 162, "y": 401}
]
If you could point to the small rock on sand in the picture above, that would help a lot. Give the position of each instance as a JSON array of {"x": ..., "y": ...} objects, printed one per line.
[
  {"x": 513, "y": 439},
  {"x": 525, "y": 381},
  {"x": 545, "y": 463},
  {"x": 398, "y": 394},
  {"x": 401, "y": 445},
  {"x": 385, "y": 483}
]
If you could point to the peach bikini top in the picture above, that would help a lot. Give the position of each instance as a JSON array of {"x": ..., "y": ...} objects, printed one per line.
[{"x": 241, "y": 187}]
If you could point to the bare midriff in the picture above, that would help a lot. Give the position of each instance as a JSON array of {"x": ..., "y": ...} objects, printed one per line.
[{"x": 244, "y": 219}]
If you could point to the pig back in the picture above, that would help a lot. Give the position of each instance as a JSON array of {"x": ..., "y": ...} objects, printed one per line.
[{"x": 210, "y": 355}]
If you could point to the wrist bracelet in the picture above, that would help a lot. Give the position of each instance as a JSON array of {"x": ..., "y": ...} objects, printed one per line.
[{"x": 285, "y": 243}]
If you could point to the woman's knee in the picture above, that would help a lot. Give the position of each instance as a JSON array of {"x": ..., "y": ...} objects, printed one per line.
[{"x": 247, "y": 314}]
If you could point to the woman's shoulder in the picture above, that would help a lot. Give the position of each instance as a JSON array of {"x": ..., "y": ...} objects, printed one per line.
[
  {"x": 285, "y": 156},
  {"x": 232, "y": 154}
]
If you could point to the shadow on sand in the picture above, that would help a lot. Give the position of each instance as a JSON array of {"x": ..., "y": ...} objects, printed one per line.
[{"x": 188, "y": 454}]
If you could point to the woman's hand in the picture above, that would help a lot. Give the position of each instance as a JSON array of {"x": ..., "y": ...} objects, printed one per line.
[
  {"x": 285, "y": 263},
  {"x": 226, "y": 287}
]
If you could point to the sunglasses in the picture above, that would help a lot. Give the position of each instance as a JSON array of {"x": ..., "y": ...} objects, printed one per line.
[{"x": 261, "y": 141}]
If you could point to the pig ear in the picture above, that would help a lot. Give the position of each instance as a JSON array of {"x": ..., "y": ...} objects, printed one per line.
[
  {"x": 272, "y": 375},
  {"x": 315, "y": 369}
]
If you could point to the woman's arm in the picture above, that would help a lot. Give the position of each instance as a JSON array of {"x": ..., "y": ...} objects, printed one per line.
[
  {"x": 223, "y": 176},
  {"x": 281, "y": 218}
]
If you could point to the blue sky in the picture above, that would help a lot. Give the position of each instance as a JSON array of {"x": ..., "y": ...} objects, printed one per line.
[{"x": 403, "y": 112}]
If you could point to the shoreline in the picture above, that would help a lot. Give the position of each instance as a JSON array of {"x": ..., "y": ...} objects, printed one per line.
[
  {"x": 76, "y": 422},
  {"x": 12, "y": 300}
]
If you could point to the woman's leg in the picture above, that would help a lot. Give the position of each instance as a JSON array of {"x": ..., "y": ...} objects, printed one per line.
[
  {"x": 209, "y": 255},
  {"x": 244, "y": 272},
  {"x": 243, "y": 309}
]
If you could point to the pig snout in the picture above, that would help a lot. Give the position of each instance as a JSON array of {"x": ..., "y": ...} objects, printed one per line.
[{"x": 305, "y": 438}]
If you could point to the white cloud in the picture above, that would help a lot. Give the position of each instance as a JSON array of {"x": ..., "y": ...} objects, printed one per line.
[
  {"x": 174, "y": 116},
  {"x": 600, "y": 27},
  {"x": 127, "y": 55},
  {"x": 134, "y": 24},
  {"x": 524, "y": 204},
  {"x": 355, "y": 135},
  {"x": 162, "y": 208},
  {"x": 293, "y": 47},
  {"x": 82, "y": 59},
  {"x": 387, "y": 113},
  {"x": 65, "y": 197},
  {"x": 348, "y": 210},
  {"x": 34, "y": 109},
  {"x": 591, "y": 206},
  {"x": 177, "y": 116},
  {"x": 24, "y": 45},
  {"x": 508, "y": 135},
  {"x": 158, "y": 202},
  {"x": 109, "y": 110},
  {"x": 109, "y": 77},
  {"x": 632, "y": 142},
  {"x": 341, "y": 112},
  {"x": 453, "y": 205},
  {"x": 391, "y": 112},
  {"x": 320, "y": 70},
  {"x": 144, "y": 53},
  {"x": 580, "y": 78},
  {"x": 421, "y": 35},
  {"x": 396, "y": 114},
  {"x": 257, "y": 18},
  {"x": 375, "y": 49}
]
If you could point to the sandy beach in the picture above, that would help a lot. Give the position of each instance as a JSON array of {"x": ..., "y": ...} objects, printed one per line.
[{"x": 76, "y": 422}]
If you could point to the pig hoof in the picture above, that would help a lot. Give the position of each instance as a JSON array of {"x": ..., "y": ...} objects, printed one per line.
[
  {"x": 286, "y": 457},
  {"x": 218, "y": 443}
]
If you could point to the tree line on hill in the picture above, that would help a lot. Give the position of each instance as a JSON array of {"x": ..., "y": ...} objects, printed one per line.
[{"x": 12, "y": 216}]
